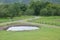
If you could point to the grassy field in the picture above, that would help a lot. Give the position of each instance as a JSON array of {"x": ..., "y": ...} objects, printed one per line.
[
  {"x": 14, "y": 19},
  {"x": 7, "y": 21},
  {"x": 53, "y": 20},
  {"x": 44, "y": 33}
]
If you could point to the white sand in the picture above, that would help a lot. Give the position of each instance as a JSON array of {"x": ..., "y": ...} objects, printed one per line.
[{"x": 22, "y": 28}]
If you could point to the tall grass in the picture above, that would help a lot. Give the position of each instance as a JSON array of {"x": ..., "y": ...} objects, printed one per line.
[{"x": 52, "y": 20}]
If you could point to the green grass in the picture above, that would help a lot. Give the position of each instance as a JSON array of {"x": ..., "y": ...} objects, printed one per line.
[
  {"x": 2, "y": 20},
  {"x": 7, "y": 21},
  {"x": 52, "y": 20},
  {"x": 44, "y": 33}
]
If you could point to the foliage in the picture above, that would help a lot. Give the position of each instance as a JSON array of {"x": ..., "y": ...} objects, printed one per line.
[{"x": 34, "y": 8}]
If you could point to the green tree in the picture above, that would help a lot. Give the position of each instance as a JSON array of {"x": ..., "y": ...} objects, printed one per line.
[
  {"x": 44, "y": 12},
  {"x": 29, "y": 12}
]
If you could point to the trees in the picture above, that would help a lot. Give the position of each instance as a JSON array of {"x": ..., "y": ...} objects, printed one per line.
[
  {"x": 23, "y": 8},
  {"x": 36, "y": 8},
  {"x": 57, "y": 11},
  {"x": 3, "y": 10},
  {"x": 44, "y": 12},
  {"x": 12, "y": 10},
  {"x": 29, "y": 12},
  {"x": 53, "y": 9}
]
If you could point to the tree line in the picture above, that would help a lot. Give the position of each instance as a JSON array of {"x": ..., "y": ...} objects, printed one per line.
[{"x": 34, "y": 8}]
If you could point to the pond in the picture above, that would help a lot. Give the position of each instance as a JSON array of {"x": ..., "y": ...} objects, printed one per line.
[{"x": 22, "y": 28}]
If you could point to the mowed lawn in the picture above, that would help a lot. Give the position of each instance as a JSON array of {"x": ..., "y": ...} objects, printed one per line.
[
  {"x": 52, "y": 20},
  {"x": 44, "y": 33}
]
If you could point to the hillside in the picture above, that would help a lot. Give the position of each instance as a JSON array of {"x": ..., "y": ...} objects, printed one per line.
[
  {"x": 27, "y": 1},
  {"x": 54, "y": 1},
  {"x": 12, "y": 1}
]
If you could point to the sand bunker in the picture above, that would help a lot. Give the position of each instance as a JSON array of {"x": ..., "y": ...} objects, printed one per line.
[{"x": 22, "y": 28}]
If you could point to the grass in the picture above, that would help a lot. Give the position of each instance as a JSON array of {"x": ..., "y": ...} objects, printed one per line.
[
  {"x": 52, "y": 20},
  {"x": 11, "y": 21},
  {"x": 44, "y": 33},
  {"x": 2, "y": 20}
]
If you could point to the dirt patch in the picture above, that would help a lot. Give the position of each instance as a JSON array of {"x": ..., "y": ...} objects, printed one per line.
[{"x": 3, "y": 28}]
